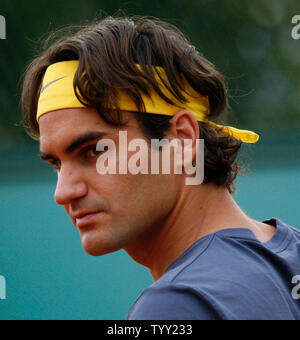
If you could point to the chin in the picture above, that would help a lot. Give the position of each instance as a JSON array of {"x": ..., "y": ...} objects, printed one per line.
[
  {"x": 94, "y": 252},
  {"x": 95, "y": 247}
]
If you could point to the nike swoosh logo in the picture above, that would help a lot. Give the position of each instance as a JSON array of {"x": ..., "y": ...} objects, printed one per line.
[{"x": 51, "y": 82}]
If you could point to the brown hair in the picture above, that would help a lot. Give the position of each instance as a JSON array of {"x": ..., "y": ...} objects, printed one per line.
[{"x": 108, "y": 52}]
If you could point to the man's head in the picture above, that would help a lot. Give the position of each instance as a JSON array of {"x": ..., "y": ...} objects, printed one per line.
[
  {"x": 119, "y": 55},
  {"x": 125, "y": 207},
  {"x": 109, "y": 51}
]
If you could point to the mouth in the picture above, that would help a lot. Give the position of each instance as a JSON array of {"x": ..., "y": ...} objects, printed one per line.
[{"x": 83, "y": 219}]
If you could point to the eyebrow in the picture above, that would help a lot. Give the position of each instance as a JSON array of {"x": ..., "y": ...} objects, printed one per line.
[{"x": 75, "y": 144}]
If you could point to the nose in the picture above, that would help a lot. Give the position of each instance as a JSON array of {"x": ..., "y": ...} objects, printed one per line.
[{"x": 70, "y": 186}]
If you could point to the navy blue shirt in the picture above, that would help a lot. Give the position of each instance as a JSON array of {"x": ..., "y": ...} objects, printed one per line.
[{"x": 229, "y": 275}]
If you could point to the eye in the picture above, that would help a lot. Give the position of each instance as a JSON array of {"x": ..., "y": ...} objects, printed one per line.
[{"x": 91, "y": 152}]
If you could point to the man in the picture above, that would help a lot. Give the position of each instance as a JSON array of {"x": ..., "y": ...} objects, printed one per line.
[{"x": 142, "y": 78}]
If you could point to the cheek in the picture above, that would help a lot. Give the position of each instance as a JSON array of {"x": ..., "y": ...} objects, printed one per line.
[
  {"x": 137, "y": 206},
  {"x": 139, "y": 197},
  {"x": 143, "y": 198}
]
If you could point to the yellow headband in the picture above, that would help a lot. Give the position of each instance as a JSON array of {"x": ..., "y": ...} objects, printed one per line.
[{"x": 58, "y": 93}]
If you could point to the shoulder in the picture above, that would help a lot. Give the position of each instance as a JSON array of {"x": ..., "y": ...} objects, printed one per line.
[
  {"x": 194, "y": 287},
  {"x": 172, "y": 302},
  {"x": 229, "y": 275}
]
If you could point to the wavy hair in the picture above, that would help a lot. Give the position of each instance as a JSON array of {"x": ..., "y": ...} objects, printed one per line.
[{"x": 108, "y": 52}]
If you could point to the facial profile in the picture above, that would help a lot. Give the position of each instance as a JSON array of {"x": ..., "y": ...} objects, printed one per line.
[{"x": 109, "y": 211}]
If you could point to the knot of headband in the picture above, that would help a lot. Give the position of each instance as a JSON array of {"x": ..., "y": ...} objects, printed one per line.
[{"x": 58, "y": 93}]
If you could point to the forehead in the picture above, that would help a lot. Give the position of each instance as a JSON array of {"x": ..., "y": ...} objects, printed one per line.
[
  {"x": 63, "y": 125},
  {"x": 67, "y": 119}
]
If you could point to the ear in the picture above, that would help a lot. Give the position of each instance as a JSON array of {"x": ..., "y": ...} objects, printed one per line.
[{"x": 184, "y": 126}]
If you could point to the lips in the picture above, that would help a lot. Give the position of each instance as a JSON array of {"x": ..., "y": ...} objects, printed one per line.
[{"x": 84, "y": 218}]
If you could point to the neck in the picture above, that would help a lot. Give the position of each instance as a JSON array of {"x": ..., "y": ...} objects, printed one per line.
[{"x": 197, "y": 213}]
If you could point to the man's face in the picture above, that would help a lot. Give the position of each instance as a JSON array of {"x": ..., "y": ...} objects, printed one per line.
[{"x": 111, "y": 211}]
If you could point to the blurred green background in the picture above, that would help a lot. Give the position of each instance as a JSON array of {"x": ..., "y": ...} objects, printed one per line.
[{"x": 47, "y": 273}]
